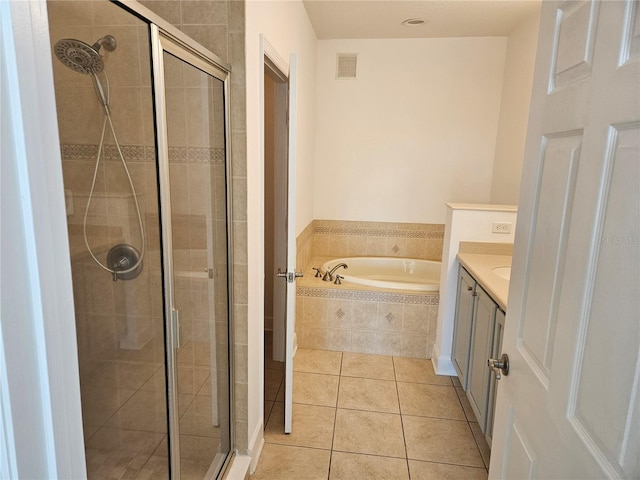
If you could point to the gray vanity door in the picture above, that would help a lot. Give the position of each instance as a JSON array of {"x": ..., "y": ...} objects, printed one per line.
[
  {"x": 481, "y": 344},
  {"x": 462, "y": 328}
]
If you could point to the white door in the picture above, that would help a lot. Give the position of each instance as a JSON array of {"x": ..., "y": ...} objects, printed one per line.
[
  {"x": 570, "y": 406},
  {"x": 291, "y": 248}
]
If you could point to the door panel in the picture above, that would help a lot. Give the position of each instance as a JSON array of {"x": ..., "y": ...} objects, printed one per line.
[
  {"x": 193, "y": 165},
  {"x": 199, "y": 252},
  {"x": 291, "y": 246},
  {"x": 606, "y": 420},
  {"x": 569, "y": 407},
  {"x": 560, "y": 157}
]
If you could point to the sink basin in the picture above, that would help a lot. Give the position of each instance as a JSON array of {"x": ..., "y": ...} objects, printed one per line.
[{"x": 502, "y": 272}]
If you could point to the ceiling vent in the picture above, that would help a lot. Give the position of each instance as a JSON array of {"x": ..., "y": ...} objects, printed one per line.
[{"x": 346, "y": 65}]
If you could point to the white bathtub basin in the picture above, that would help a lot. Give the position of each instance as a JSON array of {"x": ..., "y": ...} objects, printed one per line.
[{"x": 389, "y": 272}]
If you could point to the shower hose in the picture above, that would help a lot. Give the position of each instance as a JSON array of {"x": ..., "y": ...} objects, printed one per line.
[{"x": 104, "y": 100}]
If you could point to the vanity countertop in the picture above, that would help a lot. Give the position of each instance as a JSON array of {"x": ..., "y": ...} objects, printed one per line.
[{"x": 481, "y": 267}]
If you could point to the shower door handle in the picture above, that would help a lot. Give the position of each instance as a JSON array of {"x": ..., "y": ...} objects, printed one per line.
[{"x": 176, "y": 327}]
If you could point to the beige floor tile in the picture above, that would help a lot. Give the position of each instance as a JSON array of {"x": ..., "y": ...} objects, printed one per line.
[
  {"x": 108, "y": 464},
  {"x": 312, "y": 426},
  {"x": 268, "y": 407},
  {"x": 271, "y": 364},
  {"x": 99, "y": 403},
  {"x": 442, "y": 471},
  {"x": 129, "y": 440},
  {"x": 198, "y": 418},
  {"x": 198, "y": 449},
  {"x": 456, "y": 382},
  {"x": 314, "y": 389},
  {"x": 157, "y": 468},
  {"x": 418, "y": 370},
  {"x": 438, "y": 440},
  {"x": 370, "y": 433},
  {"x": 156, "y": 382},
  {"x": 184, "y": 401},
  {"x": 145, "y": 411},
  {"x": 272, "y": 381},
  {"x": 284, "y": 462},
  {"x": 120, "y": 374},
  {"x": 368, "y": 394},
  {"x": 191, "y": 379},
  {"x": 317, "y": 361},
  {"x": 430, "y": 401},
  {"x": 351, "y": 466},
  {"x": 363, "y": 365},
  {"x": 481, "y": 441},
  {"x": 466, "y": 406},
  {"x": 193, "y": 469},
  {"x": 117, "y": 453}
]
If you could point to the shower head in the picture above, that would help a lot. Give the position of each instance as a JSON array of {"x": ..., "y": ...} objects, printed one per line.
[{"x": 82, "y": 57}]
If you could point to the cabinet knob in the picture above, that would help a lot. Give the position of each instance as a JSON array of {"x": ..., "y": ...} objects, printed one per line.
[
  {"x": 469, "y": 289},
  {"x": 499, "y": 365}
]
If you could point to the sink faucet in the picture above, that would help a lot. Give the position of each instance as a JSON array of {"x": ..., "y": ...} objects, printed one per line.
[{"x": 328, "y": 276}]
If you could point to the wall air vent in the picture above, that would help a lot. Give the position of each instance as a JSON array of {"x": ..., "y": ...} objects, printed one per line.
[{"x": 346, "y": 65}]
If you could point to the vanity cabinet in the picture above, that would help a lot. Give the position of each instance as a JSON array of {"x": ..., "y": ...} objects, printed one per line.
[
  {"x": 498, "y": 332},
  {"x": 462, "y": 326},
  {"x": 479, "y": 324},
  {"x": 479, "y": 380}
]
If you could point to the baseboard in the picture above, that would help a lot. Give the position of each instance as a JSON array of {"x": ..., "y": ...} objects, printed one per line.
[
  {"x": 239, "y": 468},
  {"x": 442, "y": 364},
  {"x": 255, "y": 446}
]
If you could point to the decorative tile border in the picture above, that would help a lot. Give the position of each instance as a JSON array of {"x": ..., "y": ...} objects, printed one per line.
[
  {"x": 432, "y": 233},
  {"x": 370, "y": 296},
  {"x": 142, "y": 153}
]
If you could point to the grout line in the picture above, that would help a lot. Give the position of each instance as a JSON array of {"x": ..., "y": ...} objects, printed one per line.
[
  {"x": 404, "y": 437},
  {"x": 335, "y": 418}
]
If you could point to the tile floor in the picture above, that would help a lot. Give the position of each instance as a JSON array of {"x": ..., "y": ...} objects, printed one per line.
[
  {"x": 125, "y": 419},
  {"x": 358, "y": 416}
]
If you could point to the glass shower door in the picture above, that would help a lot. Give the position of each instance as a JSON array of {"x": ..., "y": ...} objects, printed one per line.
[{"x": 196, "y": 251}]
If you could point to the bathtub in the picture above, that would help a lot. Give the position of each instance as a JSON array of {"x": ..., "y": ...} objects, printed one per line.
[{"x": 389, "y": 272}]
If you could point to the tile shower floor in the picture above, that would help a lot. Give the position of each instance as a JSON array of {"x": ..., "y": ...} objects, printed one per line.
[
  {"x": 358, "y": 416},
  {"x": 125, "y": 418}
]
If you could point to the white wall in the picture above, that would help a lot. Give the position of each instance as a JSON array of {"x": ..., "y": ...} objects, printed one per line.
[
  {"x": 286, "y": 27},
  {"x": 415, "y": 130},
  {"x": 514, "y": 111}
]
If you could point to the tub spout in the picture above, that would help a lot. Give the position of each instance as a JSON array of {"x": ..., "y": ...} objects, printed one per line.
[{"x": 328, "y": 276}]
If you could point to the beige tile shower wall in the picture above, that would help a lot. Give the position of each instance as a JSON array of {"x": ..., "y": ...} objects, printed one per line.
[{"x": 335, "y": 238}]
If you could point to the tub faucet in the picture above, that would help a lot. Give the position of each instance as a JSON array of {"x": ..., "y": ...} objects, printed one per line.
[{"x": 328, "y": 276}]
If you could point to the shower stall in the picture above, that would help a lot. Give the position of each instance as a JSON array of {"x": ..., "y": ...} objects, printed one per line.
[{"x": 143, "y": 121}]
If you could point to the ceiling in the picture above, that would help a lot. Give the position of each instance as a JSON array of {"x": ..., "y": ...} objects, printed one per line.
[{"x": 340, "y": 19}]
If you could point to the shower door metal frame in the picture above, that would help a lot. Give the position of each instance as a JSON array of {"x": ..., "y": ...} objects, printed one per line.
[{"x": 176, "y": 44}]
